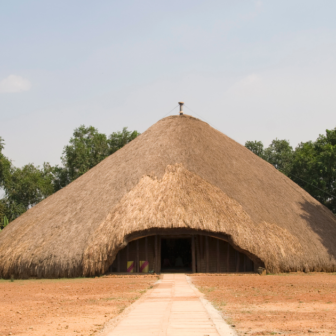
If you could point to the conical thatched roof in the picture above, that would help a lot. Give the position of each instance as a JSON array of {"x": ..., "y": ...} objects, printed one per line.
[{"x": 180, "y": 173}]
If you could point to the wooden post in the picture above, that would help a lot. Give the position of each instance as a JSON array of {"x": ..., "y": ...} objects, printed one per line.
[
  {"x": 244, "y": 263},
  {"x": 146, "y": 248},
  {"x": 203, "y": 253},
  {"x": 127, "y": 254},
  {"x": 237, "y": 261},
  {"x": 228, "y": 258},
  {"x": 218, "y": 260},
  {"x": 137, "y": 257},
  {"x": 198, "y": 256},
  {"x": 207, "y": 253},
  {"x": 193, "y": 257},
  {"x": 159, "y": 253},
  {"x": 156, "y": 262}
]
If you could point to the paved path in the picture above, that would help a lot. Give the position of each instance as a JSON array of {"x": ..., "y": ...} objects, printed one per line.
[{"x": 173, "y": 307}]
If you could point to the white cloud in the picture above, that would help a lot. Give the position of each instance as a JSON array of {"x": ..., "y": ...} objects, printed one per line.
[
  {"x": 258, "y": 3},
  {"x": 14, "y": 83}
]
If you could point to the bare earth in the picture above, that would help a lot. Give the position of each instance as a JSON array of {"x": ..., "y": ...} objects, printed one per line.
[
  {"x": 289, "y": 304},
  {"x": 66, "y": 306}
]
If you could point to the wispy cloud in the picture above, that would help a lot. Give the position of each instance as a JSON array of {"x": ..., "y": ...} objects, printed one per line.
[{"x": 14, "y": 83}]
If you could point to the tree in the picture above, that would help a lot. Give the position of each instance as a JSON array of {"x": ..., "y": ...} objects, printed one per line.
[
  {"x": 25, "y": 187},
  {"x": 280, "y": 155},
  {"x": 256, "y": 147},
  {"x": 87, "y": 148},
  {"x": 118, "y": 140},
  {"x": 29, "y": 185},
  {"x": 312, "y": 165},
  {"x": 314, "y": 168},
  {"x": 5, "y": 174},
  {"x": 2, "y": 215},
  {"x": 5, "y": 166}
]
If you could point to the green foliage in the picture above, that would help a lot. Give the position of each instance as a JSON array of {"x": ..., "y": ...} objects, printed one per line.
[
  {"x": 3, "y": 217},
  {"x": 25, "y": 187},
  {"x": 29, "y": 185},
  {"x": 312, "y": 165},
  {"x": 5, "y": 166},
  {"x": 61, "y": 177},
  {"x": 86, "y": 149},
  {"x": 280, "y": 155},
  {"x": 118, "y": 140},
  {"x": 257, "y": 147},
  {"x": 314, "y": 168}
]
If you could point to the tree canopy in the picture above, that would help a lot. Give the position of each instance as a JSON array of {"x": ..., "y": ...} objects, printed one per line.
[
  {"x": 314, "y": 168},
  {"x": 312, "y": 165},
  {"x": 25, "y": 187}
]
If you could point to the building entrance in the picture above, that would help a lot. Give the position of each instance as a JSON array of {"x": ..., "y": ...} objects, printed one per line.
[
  {"x": 197, "y": 253},
  {"x": 176, "y": 255}
]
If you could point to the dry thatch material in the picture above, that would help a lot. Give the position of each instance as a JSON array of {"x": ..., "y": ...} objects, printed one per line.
[{"x": 180, "y": 173}]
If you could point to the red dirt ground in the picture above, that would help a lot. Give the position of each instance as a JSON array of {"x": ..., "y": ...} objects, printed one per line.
[
  {"x": 66, "y": 306},
  {"x": 289, "y": 304}
]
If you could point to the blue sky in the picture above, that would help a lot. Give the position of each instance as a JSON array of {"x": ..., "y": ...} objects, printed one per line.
[{"x": 254, "y": 69}]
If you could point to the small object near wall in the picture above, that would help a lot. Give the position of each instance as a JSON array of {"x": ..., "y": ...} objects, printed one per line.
[
  {"x": 261, "y": 271},
  {"x": 130, "y": 266},
  {"x": 144, "y": 265}
]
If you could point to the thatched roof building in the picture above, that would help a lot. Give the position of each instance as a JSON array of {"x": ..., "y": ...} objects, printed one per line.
[{"x": 180, "y": 178}]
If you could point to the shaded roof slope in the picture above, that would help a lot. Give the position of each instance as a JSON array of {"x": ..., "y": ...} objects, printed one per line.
[{"x": 64, "y": 234}]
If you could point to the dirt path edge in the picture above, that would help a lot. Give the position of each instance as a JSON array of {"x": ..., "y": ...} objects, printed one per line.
[
  {"x": 222, "y": 327},
  {"x": 111, "y": 324}
]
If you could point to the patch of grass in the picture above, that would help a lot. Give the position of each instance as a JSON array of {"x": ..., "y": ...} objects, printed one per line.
[
  {"x": 121, "y": 309},
  {"x": 112, "y": 298},
  {"x": 211, "y": 289},
  {"x": 219, "y": 304},
  {"x": 4, "y": 280},
  {"x": 229, "y": 321},
  {"x": 207, "y": 289}
]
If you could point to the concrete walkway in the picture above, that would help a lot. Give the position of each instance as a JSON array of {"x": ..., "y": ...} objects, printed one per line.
[{"x": 173, "y": 307}]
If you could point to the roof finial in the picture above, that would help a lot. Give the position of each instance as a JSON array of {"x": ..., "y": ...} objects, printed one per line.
[{"x": 181, "y": 108}]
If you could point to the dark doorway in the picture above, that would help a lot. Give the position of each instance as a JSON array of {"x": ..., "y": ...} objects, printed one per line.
[{"x": 176, "y": 255}]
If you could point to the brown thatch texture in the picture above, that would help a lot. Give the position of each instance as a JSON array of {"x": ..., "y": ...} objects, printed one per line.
[
  {"x": 218, "y": 185},
  {"x": 182, "y": 199}
]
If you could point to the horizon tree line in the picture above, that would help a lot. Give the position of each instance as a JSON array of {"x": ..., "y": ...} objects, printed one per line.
[{"x": 25, "y": 187}]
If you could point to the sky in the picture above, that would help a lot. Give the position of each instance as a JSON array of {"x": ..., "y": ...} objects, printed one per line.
[{"x": 253, "y": 69}]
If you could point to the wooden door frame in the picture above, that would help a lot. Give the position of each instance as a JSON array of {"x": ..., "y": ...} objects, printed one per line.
[{"x": 187, "y": 233}]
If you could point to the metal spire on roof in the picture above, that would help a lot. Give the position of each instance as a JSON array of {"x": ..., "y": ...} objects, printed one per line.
[{"x": 181, "y": 107}]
